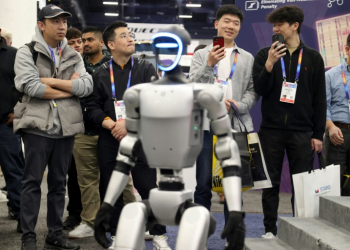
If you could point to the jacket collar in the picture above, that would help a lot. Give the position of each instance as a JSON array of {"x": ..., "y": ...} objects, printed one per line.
[
  {"x": 346, "y": 66},
  {"x": 38, "y": 38},
  {"x": 3, "y": 44}
]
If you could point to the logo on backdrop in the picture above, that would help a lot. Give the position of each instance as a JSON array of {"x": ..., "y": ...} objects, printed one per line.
[
  {"x": 330, "y": 3},
  {"x": 251, "y": 5},
  {"x": 323, "y": 190}
]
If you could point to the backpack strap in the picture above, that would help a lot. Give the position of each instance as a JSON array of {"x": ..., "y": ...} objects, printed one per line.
[{"x": 32, "y": 50}]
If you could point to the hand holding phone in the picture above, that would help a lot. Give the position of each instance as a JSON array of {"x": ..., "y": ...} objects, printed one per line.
[
  {"x": 218, "y": 40},
  {"x": 216, "y": 54},
  {"x": 277, "y": 50}
]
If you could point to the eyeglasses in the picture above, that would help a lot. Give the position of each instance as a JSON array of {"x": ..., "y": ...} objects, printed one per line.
[{"x": 127, "y": 35}]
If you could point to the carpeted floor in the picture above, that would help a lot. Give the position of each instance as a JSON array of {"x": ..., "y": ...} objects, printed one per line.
[{"x": 10, "y": 240}]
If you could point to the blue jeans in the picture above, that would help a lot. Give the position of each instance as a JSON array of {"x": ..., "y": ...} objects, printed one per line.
[
  {"x": 202, "y": 194},
  {"x": 12, "y": 165}
]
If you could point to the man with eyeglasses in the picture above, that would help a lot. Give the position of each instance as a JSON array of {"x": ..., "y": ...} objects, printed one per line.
[
  {"x": 337, "y": 137},
  {"x": 104, "y": 106}
]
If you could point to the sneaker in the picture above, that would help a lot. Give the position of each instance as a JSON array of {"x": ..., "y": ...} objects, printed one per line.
[
  {"x": 3, "y": 197},
  {"x": 4, "y": 189},
  {"x": 29, "y": 242},
  {"x": 71, "y": 222},
  {"x": 148, "y": 237},
  {"x": 11, "y": 213},
  {"x": 269, "y": 235},
  {"x": 160, "y": 242},
  {"x": 113, "y": 245},
  {"x": 19, "y": 228},
  {"x": 82, "y": 231},
  {"x": 60, "y": 241}
]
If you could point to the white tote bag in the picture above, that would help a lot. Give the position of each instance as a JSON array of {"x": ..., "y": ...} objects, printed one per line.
[{"x": 310, "y": 185}]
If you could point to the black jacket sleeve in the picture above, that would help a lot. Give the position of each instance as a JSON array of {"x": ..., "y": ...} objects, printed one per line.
[
  {"x": 319, "y": 102},
  {"x": 95, "y": 102},
  {"x": 263, "y": 80}
]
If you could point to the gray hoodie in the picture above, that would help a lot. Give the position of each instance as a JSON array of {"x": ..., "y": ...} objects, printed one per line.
[{"x": 58, "y": 115}]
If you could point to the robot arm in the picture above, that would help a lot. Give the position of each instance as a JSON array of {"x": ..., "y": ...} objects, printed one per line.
[
  {"x": 128, "y": 145},
  {"x": 125, "y": 161},
  {"x": 226, "y": 150}
]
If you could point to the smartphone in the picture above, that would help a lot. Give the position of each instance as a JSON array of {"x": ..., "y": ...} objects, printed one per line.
[
  {"x": 279, "y": 38},
  {"x": 218, "y": 40}
]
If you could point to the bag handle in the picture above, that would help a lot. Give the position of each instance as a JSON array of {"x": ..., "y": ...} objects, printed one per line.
[
  {"x": 239, "y": 117},
  {"x": 321, "y": 162}
]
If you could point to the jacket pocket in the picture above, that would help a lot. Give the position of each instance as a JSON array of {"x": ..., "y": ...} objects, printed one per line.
[
  {"x": 74, "y": 113},
  {"x": 38, "y": 114}
]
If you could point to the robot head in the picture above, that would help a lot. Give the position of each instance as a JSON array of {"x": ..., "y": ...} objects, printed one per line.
[{"x": 171, "y": 41}]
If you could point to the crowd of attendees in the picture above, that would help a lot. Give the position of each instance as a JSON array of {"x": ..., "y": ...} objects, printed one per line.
[{"x": 56, "y": 97}]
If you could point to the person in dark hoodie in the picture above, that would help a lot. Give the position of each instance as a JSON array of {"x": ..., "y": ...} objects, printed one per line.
[
  {"x": 11, "y": 155},
  {"x": 291, "y": 80},
  {"x": 52, "y": 77}
]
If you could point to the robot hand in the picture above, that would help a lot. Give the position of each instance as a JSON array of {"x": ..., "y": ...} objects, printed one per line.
[
  {"x": 102, "y": 222},
  {"x": 235, "y": 231}
]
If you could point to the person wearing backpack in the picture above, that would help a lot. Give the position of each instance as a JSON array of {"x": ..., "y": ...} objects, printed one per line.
[
  {"x": 48, "y": 117},
  {"x": 11, "y": 155}
]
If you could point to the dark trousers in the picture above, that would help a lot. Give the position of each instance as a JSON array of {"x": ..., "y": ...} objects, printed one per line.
[
  {"x": 74, "y": 206},
  {"x": 12, "y": 165},
  {"x": 39, "y": 152},
  {"x": 339, "y": 155},
  {"x": 144, "y": 178},
  {"x": 275, "y": 143}
]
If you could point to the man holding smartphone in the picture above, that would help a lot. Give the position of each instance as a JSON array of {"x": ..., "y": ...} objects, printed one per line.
[
  {"x": 229, "y": 67},
  {"x": 291, "y": 80}
]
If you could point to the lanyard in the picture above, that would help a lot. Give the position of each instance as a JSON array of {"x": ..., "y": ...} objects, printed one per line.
[
  {"x": 232, "y": 69},
  {"x": 53, "y": 54},
  {"x": 344, "y": 82},
  {"x": 112, "y": 76},
  {"x": 298, "y": 68}
]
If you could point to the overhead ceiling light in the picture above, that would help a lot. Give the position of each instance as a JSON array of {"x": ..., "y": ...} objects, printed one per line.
[
  {"x": 194, "y": 5},
  {"x": 131, "y": 4},
  {"x": 185, "y": 16},
  {"x": 111, "y": 14},
  {"x": 132, "y": 17},
  {"x": 110, "y": 3}
]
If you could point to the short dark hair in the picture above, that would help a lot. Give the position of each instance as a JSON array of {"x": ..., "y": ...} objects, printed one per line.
[
  {"x": 348, "y": 41},
  {"x": 200, "y": 46},
  {"x": 94, "y": 30},
  {"x": 109, "y": 34},
  {"x": 229, "y": 9},
  {"x": 290, "y": 14},
  {"x": 73, "y": 33}
]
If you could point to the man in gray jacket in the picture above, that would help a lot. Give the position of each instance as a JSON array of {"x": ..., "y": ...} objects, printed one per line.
[
  {"x": 52, "y": 77},
  {"x": 231, "y": 69}
]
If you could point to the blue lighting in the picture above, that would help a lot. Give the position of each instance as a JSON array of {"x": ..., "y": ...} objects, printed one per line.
[
  {"x": 180, "y": 45},
  {"x": 167, "y": 45}
]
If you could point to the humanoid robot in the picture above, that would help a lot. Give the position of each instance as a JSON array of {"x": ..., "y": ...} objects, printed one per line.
[{"x": 165, "y": 118}]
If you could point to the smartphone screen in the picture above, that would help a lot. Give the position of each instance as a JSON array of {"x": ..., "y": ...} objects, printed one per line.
[{"x": 218, "y": 40}]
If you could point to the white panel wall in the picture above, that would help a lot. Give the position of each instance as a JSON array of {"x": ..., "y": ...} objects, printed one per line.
[{"x": 19, "y": 17}]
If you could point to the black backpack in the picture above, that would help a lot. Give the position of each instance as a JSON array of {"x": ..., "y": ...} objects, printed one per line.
[
  {"x": 34, "y": 52},
  {"x": 15, "y": 93}
]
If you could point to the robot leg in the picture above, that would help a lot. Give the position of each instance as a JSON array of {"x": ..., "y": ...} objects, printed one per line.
[
  {"x": 132, "y": 226},
  {"x": 196, "y": 226}
]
